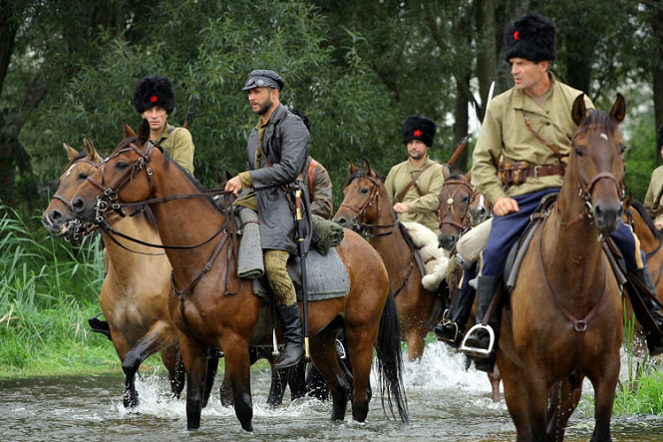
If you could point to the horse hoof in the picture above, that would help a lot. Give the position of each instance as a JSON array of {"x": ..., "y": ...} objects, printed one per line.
[{"x": 248, "y": 426}]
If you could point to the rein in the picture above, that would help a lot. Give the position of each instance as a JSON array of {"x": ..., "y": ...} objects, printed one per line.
[{"x": 465, "y": 225}]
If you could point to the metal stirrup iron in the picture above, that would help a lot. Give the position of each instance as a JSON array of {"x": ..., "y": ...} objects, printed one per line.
[{"x": 476, "y": 351}]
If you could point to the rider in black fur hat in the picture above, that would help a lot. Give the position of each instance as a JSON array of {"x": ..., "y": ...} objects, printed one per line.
[
  {"x": 532, "y": 38},
  {"x": 154, "y": 91}
]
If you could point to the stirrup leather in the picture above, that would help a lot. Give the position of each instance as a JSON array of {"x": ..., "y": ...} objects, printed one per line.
[{"x": 475, "y": 351}]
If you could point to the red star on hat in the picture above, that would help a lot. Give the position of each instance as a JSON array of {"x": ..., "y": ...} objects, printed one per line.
[
  {"x": 516, "y": 35},
  {"x": 417, "y": 133},
  {"x": 153, "y": 99}
]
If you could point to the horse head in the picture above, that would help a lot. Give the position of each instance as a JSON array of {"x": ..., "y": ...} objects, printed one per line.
[
  {"x": 119, "y": 178},
  {"x": 59, "y": 217},
  {"x": 455, "y": 198},
  {"x": 480, "y": 210},
  {"x": 596, "y": 164},
  {"x": 361, "y": 206}
]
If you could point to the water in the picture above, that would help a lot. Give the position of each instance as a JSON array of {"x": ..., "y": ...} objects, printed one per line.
[{"x": 445, "y": 402}]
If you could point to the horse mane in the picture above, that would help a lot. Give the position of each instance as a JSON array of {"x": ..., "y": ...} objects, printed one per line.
[
  {"x": 597, "y": 119},
  {"x": 637, "y": 205},
  {"x": 455, "y": 176},
  {"x": 361, "y": 173}
]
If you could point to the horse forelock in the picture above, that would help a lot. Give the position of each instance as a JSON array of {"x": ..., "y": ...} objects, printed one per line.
[{"x": 600, "y": 121}]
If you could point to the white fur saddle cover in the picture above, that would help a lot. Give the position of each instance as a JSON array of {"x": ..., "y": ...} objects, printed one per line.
[{"x": 436, "y": 260}]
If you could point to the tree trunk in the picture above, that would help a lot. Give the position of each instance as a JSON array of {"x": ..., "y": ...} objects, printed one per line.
[
  {"x": 657, "y": 68},
  {"x": 486, "y": 50}
]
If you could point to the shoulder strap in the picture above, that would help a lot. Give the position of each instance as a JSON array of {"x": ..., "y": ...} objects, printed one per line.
[
  {"x": 311, "y": 174},
  {"x": 401, "y": 195},
  {"x": 264, "y": 156},
  {"x": 540, "y": 138},
  {"x": 171, "y": 130}
]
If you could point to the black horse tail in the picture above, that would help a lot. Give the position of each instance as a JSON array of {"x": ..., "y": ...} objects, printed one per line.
[{"x": 390, "y": 360}]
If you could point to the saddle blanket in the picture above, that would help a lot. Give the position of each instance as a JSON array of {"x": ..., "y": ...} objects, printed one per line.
[{"x": 434, "y": 259}]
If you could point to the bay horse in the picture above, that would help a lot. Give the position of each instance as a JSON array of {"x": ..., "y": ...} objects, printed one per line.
[
  {"x": 212, "y": 307},
  {"x": 136, "y": 307},
  {"x": 480, "y": 209},
  {"x": 566, "y": 316},
  {"x": 367, "y": 209}
]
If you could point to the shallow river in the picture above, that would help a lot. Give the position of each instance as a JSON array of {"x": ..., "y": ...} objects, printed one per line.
[{"x": 446, "y": 403}]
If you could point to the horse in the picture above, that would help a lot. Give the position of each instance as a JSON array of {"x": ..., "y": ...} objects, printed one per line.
[
  {"x": 136, "y": 307},
  {"x": 366, "y": 209},
  {"x": 566, "y": 313},
  {"x": 480, "y": 210},
  {"x": 212, "y": 307},
  {"x": 456, "y": 198}
]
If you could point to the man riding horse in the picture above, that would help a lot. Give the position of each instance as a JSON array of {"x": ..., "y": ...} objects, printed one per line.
[
  {"x": 414, "y": 184},
  {"x": 654, "y": 197},
  {"x": 277, "y": 150},
  {"x": 530, "y": 126}
]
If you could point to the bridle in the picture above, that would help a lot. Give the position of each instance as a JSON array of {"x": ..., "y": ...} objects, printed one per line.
[
  {"x": 449, "y": 210},
  {"x": 360, "y": 225}
]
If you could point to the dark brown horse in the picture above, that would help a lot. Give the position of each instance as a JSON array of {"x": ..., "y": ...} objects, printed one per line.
[
  {"x": 456, "y": 196},
  {"x": 480, "y": 210},
  {"x": 566, "y": 314},
  {"x": 136, "y": 307},
  {"x": 366, "y": 209},
  {"x": 213, "y": 308}
]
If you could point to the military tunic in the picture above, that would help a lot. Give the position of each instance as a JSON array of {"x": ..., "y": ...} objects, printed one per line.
[
  {"x": 421, "y": 209},
  {"x": 653, "y": 199},
  {"x": 320, "y": 190},
  {"x": 179, "y": 144}
]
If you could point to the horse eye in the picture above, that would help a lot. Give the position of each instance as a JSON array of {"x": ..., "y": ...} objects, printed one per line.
[
  {"x": 622, "y": 149},
  {"x": 580, "y": 151},
  {"x": 465, "y": 199},
  {"x": 82, "y": 176},
  {"x": 121, "y": 165},
  {"x": 364, "y": 190}
]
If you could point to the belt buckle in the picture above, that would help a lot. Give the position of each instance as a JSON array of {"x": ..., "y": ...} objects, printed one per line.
[{"x": 536, "y": 171}]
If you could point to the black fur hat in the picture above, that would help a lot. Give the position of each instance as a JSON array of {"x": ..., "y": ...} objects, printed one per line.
[
  {"x": 532, "y": 38},
  {"x": 154, "y": 91},
  {"x": 418, "y": 127},
  {"x": 659, "y": 137}
]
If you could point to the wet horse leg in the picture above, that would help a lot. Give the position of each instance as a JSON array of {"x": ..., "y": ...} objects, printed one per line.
[
  {"x": 279, "y": 381},
  {"x": 297, "y": 381},
  {"x": 562, "y": 400},
  {"x": 360, "y": 346},
  {"x": 604, "y": 391},
  {"x": 237, "y": 374},
  {"x": 172, "y": 360},
  {"x": 537, "y": 394},
  {"x": 195, "y": 363},
  {"x": 152, "y": 342},
  {"x": 515, "y": 395},
  {"x": 327, "y": 361},
  {"x": 210, "y": 374}
]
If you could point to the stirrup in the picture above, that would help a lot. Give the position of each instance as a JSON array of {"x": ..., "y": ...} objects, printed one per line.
[
  {"x": 444, "y": 322},
  {"x": 475, "y": 351}
]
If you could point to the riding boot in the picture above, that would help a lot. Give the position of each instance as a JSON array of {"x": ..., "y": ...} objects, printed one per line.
[
  {"x": 452, "y": 328},
  {"x": 293, "y": 334},
  {"x": 478, "y": 339},
  {"x": 646, "y": 310}
]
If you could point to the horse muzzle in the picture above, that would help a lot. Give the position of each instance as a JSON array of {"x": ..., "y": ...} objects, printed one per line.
[
  {"x": 347, "y": 223},
  {"x": 447, "y": 241},
  {"x": 607, "y": 216},
  {"x": 84, "y": 211}
]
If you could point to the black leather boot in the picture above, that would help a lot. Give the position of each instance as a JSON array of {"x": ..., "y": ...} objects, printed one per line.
[
  {"x": 644, "y": 290},
  {"x": 293, "y": 333},
  {"x": 452, "y": 328},
  {"x": 477, "y": 343}
]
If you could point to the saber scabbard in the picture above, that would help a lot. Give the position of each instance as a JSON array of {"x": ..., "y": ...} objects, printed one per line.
[{"x": 302, "y": 260}]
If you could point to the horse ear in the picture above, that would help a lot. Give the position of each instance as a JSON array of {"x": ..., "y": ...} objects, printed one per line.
[
  {"x": 446, "y": 171},
  {"x": 468, "y": 176},
  {"x": 91, "y": 150},
  {"x": 628, "y": 201},
  {"x": 143, "y": 132},
  {"x": 618, "y": 111},
  {"x": 351, "y": 167},
  {"x": 579, "y": 109},
  {"x": 128, "y": 131},
  {"x": 71, "y": 152},
  {"x": 367, "y": 167},
  {"x": 220, "y": 179},
  {"x": 229, "y": 174}
]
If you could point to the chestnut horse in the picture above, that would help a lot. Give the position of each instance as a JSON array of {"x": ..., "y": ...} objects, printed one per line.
[
  {"x": 651, "y": 240},
  {"x": 566, "y": 316},
  {"x": 214, "y": 308},
  {"x": 456, "y": 197},
  {"x": 480, "y": 210},
  {"x": 136, "y": 307},
  {"x": 367, "y": 209}
]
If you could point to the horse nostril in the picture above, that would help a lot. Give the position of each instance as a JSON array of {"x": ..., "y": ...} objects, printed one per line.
[
  {"x": 55, "y": 215},
  {"x": 342, "y": 221},
  {"x": 78, "y": 204},
  {"x": 482, "y": 211}
]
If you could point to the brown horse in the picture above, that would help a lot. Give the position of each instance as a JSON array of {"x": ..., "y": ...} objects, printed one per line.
[
  {"x": 214, "y": 308},
  {"x": 136, "y": 307},
  {"x": 456, "y": 197},
  {"x": 366, "y": 209},
  {"x": 651, "y": 240},
  {"x": 565, "y": 320},
  {"x": 480, "y": 210}
]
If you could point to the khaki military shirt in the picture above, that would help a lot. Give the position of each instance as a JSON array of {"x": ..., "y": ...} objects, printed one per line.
[
  {"x": 421, "y": 209},
  {"x": 504, "y": 133},
  {"x": 653, "y": 201},
  {"x": 179, "y": 144}
]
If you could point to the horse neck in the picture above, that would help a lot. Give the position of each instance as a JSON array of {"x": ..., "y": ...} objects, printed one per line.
[
  {"x": 185, "y": 222},
  {"x": 648, "y": 241},
  {"x": 390, "y": 247},
  {"x": 126, "y": 262},
  {"x": 574, "y": 252}
]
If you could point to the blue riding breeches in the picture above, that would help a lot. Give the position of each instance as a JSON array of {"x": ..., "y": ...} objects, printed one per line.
[{"x": 506, "y": 230}]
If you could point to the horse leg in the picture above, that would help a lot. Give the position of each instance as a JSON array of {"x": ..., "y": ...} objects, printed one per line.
[
  {"x": 195, "y": 363},
  {"x": 515, "y": 395},
  {"x": 172, "y": 360},
  {"x": 537, "y": 394},
  {"x": 277, "y": 388},
  {"x": 297, "y": 381},
  {"x": 156, "y": 339},
  {"x": 326, "y": 359},
  {"x": 237, "y": 374},
  {"x": 494, "y": 379},
  {"x": 562, "y": 400},
  {"x": 416, "y": 342},
  {"x": 604, "y": 391},
  {"x": 210, "y": 374},
  {"x": 360, "y": 347}
]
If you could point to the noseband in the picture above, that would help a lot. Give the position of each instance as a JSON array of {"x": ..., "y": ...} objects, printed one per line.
[
  {"x": 465, "y": 225},
  {"x": 371, "y": 201}
]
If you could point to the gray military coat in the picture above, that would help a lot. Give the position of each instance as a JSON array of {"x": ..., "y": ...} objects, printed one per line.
[{"x": 286, "y": 143}]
